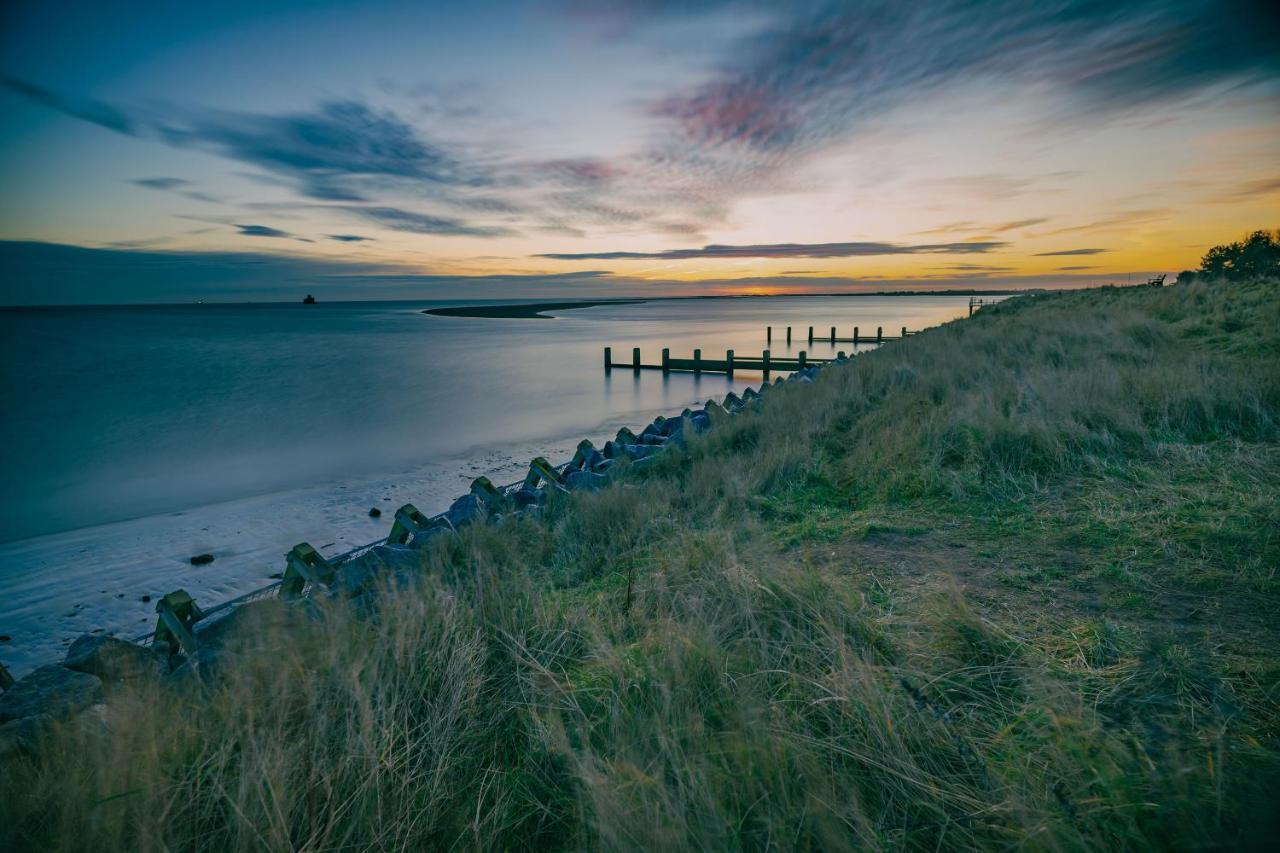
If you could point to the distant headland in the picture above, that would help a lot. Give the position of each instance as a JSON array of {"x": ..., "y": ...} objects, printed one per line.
[{"x": 533, "y": 310}]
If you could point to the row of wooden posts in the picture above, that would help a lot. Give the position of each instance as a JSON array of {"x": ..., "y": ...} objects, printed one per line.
[
  {"x": 878, "y": 338},
  {"x": 765, "y": 363}
]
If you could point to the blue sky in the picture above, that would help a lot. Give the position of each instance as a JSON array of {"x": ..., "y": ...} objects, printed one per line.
[{"x": 529, "y": 149}]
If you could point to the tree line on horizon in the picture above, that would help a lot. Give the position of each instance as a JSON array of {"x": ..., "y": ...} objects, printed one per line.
[{"x": 1256, "y": 256}]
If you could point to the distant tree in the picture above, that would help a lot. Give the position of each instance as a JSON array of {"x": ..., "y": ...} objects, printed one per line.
[{"x": 1255, "y": 256}]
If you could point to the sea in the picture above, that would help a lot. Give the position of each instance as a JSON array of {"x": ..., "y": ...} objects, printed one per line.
[{"x": 135, "y": 437}]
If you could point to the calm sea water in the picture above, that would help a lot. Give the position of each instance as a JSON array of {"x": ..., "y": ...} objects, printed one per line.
[{"x": 123, "y": 412}]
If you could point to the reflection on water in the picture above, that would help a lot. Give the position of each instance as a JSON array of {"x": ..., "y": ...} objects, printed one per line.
[{"x": 115, "y": 413}]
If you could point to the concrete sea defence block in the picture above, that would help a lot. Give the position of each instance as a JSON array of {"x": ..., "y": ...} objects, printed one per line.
[
  {"x": 113, "y": 659},
  {"x": 53, "y": 690}
]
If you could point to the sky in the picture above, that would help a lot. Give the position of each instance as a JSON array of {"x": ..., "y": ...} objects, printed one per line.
[{"x": 161, "y": 152}]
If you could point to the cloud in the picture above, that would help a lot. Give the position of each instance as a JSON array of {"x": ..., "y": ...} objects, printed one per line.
[
  {"x": 785, "y": 250},
  {"x": 326, "y": 153},
  {"x": 1021, "y": 223},
  {"x": 348, "y": 238},
  {"x": 161, "y": 183},
  {"x": 86, "y": 109},
  {"x": 262, "y": 231},
  {"x": 819, "y": 69},
  {"x": 1074, "y": 268},
  {"x": 421, "y": 223},
  {"x": 1117, "y": 220},
  {"x": 1071, "y": 252},
  {"x": 1260, "y": 187}
]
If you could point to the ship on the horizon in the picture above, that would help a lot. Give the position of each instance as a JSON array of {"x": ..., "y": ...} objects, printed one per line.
[{"x": 309, "y": 300}]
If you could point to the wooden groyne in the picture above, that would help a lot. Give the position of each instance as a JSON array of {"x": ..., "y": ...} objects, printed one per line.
[
  {"x": 765, "y": 363},
  {"x": 856, "y": 338}
]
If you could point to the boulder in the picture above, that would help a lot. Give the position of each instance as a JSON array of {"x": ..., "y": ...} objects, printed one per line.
[
  {"x": 585, "y": 481},
  {"x": 465, "y": 510},
  {"x": 642, "y": 451},
  {"x": 22, "y": 736},
  {"x": 383, "y": 562},
  {"x": 423, "y": 538},
  {"x": 53, "y": 690},
  {"x": 113, "y": 659},
  {"x": 255, "y": 622},
  {"x": 531, "y": 497}
]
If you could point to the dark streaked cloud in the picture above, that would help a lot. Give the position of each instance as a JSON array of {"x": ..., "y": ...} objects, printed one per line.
[
  {"x": 326, "y": 153},
  {"x": 786, "y": 250},
  {"x": 1021, "y": 223},
  {"x": 1076, "y": 268},
  {"x": 262, "y": 231},
  {"x": 421, "y": 223},
  {"x": 348, "y": 238},
  {"x": 1071, "y": 252},
  {"x": 161, "y": 183},
  {"x": 823, "y": 67},
  {"x": 86, "y": 109}
]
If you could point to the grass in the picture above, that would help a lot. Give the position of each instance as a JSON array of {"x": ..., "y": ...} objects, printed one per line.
[{"x": 1007, "y": 583}]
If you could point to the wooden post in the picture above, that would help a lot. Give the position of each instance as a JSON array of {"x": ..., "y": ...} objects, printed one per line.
[
  {"x": 904, "y": 332},
  {"x": 608, "y": 359},
  {"x": 788, "y": 336},
  {"x": 879, "y": 334},
  {"x": 765, "y": 359},
  {"x": 635, "y": 359},
  {"x": 811, "y": 334},
  {"x": 768, "y": 334},
  {"x": 802, "y": 355},
  {"x": 728, "y": 363},
  {"x": 855, "y": 334},
  {"x": 697, "y": 361},
  {"x": 666, "y": 360},
  {"x": 833, "y": 334}
]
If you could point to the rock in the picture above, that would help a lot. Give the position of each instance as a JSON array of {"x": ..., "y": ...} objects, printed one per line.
[
  {"x": 146, "y": 599},
  {"x": 113, "y": 659},
  {"x": 423, "y": 538},
  {"x": 53, "y": 690},
  {"x": 384, "y": 562},
  {"x": 642, "y": 451},
  {"x": 205, "y": 667},
  {"x": 374, "y": 512},
  {"x": 531, "y": 497},
  {"x": 260, "y": 622},
  {"x": 585, "y": 481},
  {"x": 603, "y": 466},
  {"x": 652, "y": 435},
  {"x": 464, "y": 511},
  {"x": 672, "y": 427},
  {"x": 4, "y": 638},
  {"x": 22, "y": 736},
  {"x": 201, "y": 559}
]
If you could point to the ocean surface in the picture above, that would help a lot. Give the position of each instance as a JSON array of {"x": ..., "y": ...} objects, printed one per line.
[{"x": 134, "y": 437}]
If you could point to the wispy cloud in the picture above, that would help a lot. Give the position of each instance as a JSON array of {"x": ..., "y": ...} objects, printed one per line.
[
  {"x": 348, "y": 238},
  {"x": 421, "y": 223},
  {"x": 786, "y": 250},
  {"x": 1071, "y": 252},
  {"x": 262, "y": 231},
  {"x": 822, "y": 67},
  {"x": 161, "y": 183},
  {"x": 86, "y": 109},
  {"x": 1075, "y": 268}
]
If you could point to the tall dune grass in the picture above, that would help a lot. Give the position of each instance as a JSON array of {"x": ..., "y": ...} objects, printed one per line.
[{"x": 669, "y": 665}]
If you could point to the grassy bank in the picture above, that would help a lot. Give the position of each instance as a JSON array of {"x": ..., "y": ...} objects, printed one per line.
[{"x": 1010, "y": 582}]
